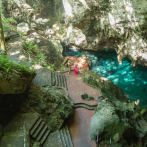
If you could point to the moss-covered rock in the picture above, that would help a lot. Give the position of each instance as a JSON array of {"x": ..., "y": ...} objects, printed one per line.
[
  {"x": 23, "y": 27},
  {"x": 14, "y": 78},
  {"x": 119, "y": 122},
  {"x": 51, "y": 104},
  {"x": 50, "y": 48}
]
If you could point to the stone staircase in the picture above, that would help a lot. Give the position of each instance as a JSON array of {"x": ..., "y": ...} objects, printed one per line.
[
  {"x": 39, "y": 131},
  {"x": 65, "y": 137},
  {"x": 58, "y": 80}
]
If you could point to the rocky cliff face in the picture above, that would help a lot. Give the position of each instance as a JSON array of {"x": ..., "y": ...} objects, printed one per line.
[
  {"x": 111, "y": 24},
  {"x": 91, "y": 24},
  {"x": 119, "y": 124}
]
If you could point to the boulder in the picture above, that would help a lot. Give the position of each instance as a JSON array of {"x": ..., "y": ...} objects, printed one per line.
[
  {"x": 51, "y": 48},
  {"x": 51, "y": 104},
  {"x": 23, "y": 27},
  {"x": 87, "y": 97},
  {"x": 120, "y": 122},
  {"x": 15, "y": 81}
]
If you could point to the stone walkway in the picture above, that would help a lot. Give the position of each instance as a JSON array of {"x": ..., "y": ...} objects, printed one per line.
[
  {"x": 14, "y": 131},
  {"x": 76, "y": 86},
  {"x": 79, "y": 125}
]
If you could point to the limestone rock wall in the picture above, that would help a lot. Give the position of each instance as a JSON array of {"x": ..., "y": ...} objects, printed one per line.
[
  {"x": 90, "y": 24},
  {"x": 119, "y": 121},
  {"x": 112, "y": 24}
]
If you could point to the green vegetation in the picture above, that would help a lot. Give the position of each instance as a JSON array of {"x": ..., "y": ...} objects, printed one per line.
[
  {"x": 143, "y": 111},
  {"x": 7, "y": 24},
  {"x": 63, "y": 68},
  {"x": 7, "y": 65},
  {"x": 33, "y": 49}
]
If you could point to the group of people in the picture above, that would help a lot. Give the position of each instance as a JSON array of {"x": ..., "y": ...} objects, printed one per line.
[{"x": 75, "y": 67}]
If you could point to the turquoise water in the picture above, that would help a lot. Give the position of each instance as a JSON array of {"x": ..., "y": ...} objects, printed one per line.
[{"x": 132, "y": 81}]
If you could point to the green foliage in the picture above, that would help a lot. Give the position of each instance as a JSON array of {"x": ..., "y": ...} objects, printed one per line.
[
  {"x": 28, "y": 45},
  {"x": 52, "y": 67},
  {"x": 7, "y": 23},
  {"x": 63, "y": 68},
  {"x": 21, "y": 33},
  {"x": 143, "y": 111},
  {"x": 6, "y": 64},
  {"x": 33, "y": 49},
  {"x": 8, "y": 20}
]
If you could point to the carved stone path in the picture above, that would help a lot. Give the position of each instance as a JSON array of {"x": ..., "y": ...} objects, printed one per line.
[{"x": 79, "y": 125}]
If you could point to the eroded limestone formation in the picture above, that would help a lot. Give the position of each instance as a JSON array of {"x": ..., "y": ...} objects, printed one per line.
[
  {"x": 91, "y": 25},
  {"x": 119, "y": 124},
  {"x": 114, "y": 24}
]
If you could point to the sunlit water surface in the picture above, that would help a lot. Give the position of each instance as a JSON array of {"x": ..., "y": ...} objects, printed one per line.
[{"x": 132, "y": 81}]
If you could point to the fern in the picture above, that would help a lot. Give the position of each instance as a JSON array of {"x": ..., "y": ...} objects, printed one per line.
[
  {"x": 6, "y": 68},
  {"x": 7, "y": 65}
]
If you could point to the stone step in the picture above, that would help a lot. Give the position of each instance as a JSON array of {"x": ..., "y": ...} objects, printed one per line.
[
  {"x": 64, "y": 79},
  {"x": 53, "y": 140},
  {"x": 57, "y": 82},
  {"x": 61, "y": 83},
  {"x": 65, "y": 137},
  {"x": 15, "y": 36},
  {"x": 45, "y": 128},
  {"x": 62, "y": 138},
  {"x": 34, "y": 127},
  {"x": 44, "y": 137},
  {"x": 52, "y": 78},
  {"x": 68, "y": 136},
  {"x": 36, "y": 133},
  {"x": 14, "y": 130}
]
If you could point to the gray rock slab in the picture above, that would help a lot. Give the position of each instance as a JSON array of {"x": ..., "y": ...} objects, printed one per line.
[
  {"x": 14, "y": 131},
  {"x": 53, "y": 140},
  {"x": 43, "y": 77}
]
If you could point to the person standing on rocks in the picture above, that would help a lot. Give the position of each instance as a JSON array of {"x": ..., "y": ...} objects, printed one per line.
[{"x": 69, "y": 66}]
